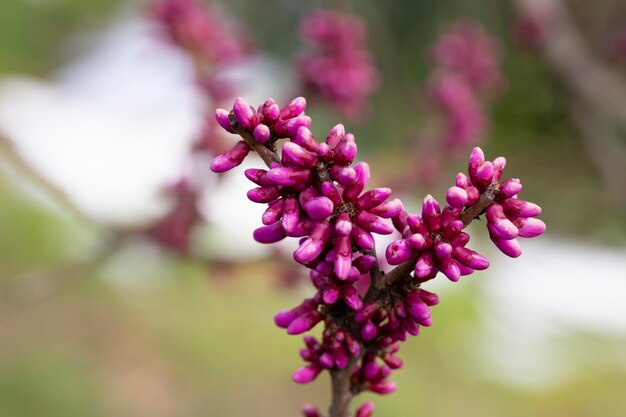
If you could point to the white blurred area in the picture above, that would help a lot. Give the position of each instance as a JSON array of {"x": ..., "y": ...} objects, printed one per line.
[{"x": 113, "y": 127}]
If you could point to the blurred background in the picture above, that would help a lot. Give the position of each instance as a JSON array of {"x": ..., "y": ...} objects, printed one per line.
[{"x": 106, "y": 311}]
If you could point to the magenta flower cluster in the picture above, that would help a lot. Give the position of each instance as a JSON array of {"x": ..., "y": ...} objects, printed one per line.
[
  {"x": 212, "y": 44},
  {"x": 315, "y": 192},
  {"x": 466, "y": 65},
  {"x": 173, "y": 230},
  {"x": 337, "y": 65},
  {"x": 202, "y": 28}
]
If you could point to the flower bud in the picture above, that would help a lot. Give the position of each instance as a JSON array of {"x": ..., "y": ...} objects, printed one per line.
[
  {"x": 456, "y": 197},
  {"x": 261, "y": 133},
  {"x": 232, "y": 158},
  {"x": 319, "y": 208},
  {"x": 269, "y": 234},
  {"x": 245, "y": 115},
  {"x": 306, "y": 374},
  {"x": 398, "y": 252},
  {"x": 223, "y": 119},
  {"x": 366, "y": 410},
  {"x": 294, "y": 108}
]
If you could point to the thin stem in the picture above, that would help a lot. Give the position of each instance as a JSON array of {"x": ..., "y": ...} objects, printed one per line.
[
  {"x": 341, "y": 394},
  {"x": 268, "y": 156},
  {"x": 9, "y": 151}
]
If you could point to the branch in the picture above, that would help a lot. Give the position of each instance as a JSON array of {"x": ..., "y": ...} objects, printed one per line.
[
  {"x": 268, "y": 156},
  {"x": 402, "y": 271},
  {"x": 34, "y": 287},
  {"x": 599, "y": 94},
  {"x": 8, "y": 150}
]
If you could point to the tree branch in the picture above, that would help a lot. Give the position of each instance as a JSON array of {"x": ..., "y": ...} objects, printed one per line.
[{"x": 402, "y": 271}]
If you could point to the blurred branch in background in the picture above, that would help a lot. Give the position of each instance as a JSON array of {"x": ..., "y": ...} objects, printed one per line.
[
  {"x": 12, "y": 156},
  {"x": 34, "y": 287},
  {"x": 598, "y": 105}
]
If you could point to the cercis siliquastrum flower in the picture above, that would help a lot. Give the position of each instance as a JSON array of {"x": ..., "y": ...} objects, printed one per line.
[{"x": 315, "y": 192}]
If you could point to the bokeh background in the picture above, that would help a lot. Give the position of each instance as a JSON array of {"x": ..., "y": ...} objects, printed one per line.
[{"x": 97, "y": 112}]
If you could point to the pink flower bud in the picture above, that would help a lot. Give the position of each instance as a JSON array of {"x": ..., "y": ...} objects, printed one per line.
[
  {"x": 331, "y": 294},
  {"x": 417, "y": 242},
  {"x": 305, "y": 138},
  {"x": 520, "y": 208},
  {"x": 270, "y": 111},
  {"x": 424, "y": 265},
  {"x": 372, "y": 198},
  {"x": 393, "y": 362},
  {"x": 368, "y": 331},
  {"x": 366, "y": 410},
  {"x": 398, "y": 252},
  {"x": 269, "y": 234},
  {"x": 319, "y": 208},
  {"x": 450, "y": 269},
  {"x": 291, "y": 214},
  {"x": 326, "y": 360},
  {"x": 430, "y": 298},
  {"x": 442, "y": 249},
  {"x": 313, "y": 246},
  {"x": 341, "y": 358},
  {"x": 476, "y": 159},
  {"x": 353, "y": 191},
  {"x": 498, "y": 167},
  {"x": 343, "y": 175},
  {"x": 258, "y": 176},
  {"x": 498, "y": 224},
  {"x": 529, "y": 227},
  {"x": 362, "y": 238},
  {"x": 261, "y": 133},
  {"x": 508, "y": 247},
  {"x": 346, "y": 150},
  {"x": 484, "y": 174},
  {"x": 343, "y": 256},
  {"x": 335, "y": 135},
  {"x": 289, "y": 128},
  {"x": 372, "y": 223},
  {"x": 273, "y": 212},
  {"x": 223, "y": 119},
  {"x": 287, "y": 177},
  {"x": 388, "y": 209},
  {"x": 245, "y": 115},
  {"x": 470, "y": 258},
  {"x": 351, "y": 298},
  {"x": 304, "y": 323},
  {"x": 297, "y": 155},
  {"x": 510, "y": 187},
  {"x": 284, "y": 318},
  {"x": 263, "y": 194},
  {"x": 462, "y": 181},
  {"x": 417, "y": 308},
  {"x": 382, "y": 387},
  {"x": 306, "y": 374},
  {"x": 309, "y": 410},
  {"x": 232, "y": 158},
  {"x": 343, "y": 225},
  {"x": 456, "y": 197},
  {"x": 294, "y": 108},
  {"x": 431, "y": 213},
  {"x": 328, "y": 190}
]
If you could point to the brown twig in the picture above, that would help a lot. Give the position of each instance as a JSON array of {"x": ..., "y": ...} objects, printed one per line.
[
  {"x": 34, "y": 287},
  {"x": 11, "y": 154},
  {"x": 598, "y": 104}
]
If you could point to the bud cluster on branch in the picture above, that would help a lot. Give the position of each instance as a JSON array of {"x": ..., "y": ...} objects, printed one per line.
[{"x": 315, "y": 192}]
